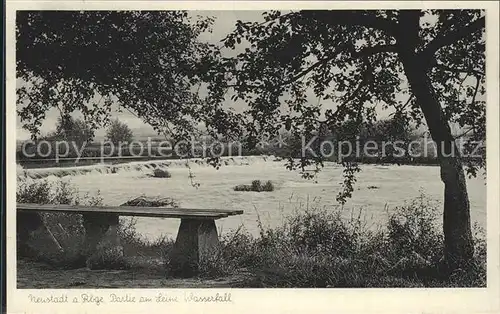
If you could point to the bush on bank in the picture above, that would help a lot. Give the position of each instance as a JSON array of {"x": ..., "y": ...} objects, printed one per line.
[
  {"x": 160, "y": 173},
  {"x": 256, "y": 186},
  {"x": 318, "y": 248}
]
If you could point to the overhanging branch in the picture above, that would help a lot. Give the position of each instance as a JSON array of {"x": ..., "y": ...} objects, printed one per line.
[
  {"x": 356, "y": 93},
  {"x": 352, "y": 18},
  {"x": 476, "y": 89},
  {"x": 459, "y": 70},
  {"x": 464, "y": 133},
  {"x": 400, "y": 109},
  {"x": 368, "y": 51},
  {"x": 306, "y": 71},
  {"x": 446, "y": 39},
  {"x": 365, "y": 52}
]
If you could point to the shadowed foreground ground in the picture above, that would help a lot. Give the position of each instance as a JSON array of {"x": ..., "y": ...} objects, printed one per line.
[{"x": 35, "y": 275}]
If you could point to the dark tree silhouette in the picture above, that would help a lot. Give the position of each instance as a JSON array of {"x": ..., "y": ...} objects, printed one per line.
[
  {"x": 86, "y": 61},
  {"x": 71, "y": 130},
  {"x": 119, "y": 132},
  {"x": 357, "y": 61}
]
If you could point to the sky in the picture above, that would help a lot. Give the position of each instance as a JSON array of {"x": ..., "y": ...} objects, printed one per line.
[{"x": 223, "y": 24}]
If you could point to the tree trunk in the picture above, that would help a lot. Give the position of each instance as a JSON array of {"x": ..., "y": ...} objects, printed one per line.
[{"x": 458, "y": 244}]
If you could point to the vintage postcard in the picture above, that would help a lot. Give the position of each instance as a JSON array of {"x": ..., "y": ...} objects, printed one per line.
[{"x": 238, "y": 157}]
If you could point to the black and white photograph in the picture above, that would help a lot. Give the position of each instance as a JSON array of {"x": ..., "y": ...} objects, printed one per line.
[{"x": 270, "y": 148}]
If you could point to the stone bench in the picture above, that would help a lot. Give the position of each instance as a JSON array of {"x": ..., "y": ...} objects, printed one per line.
[{"x": 197, "y": 237}]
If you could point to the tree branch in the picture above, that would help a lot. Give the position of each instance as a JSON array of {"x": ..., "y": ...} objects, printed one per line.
[
  {"x": 278, "y": 17},
  {"x": 349, "y": 98},
  {"x": 409, "y": 27},
  {"x": 476, "y": 89},
  {"x": 367, "y": 51},
  {"x": 464, "y": 133},
  {"x": 351, "y": 18},
  {"x": 459, "y": 70},
  {"x": 306, "y": 71},
  {"x": 401, "y": 108},
  {"x": 445, "y": 39},
  {"x": 244, "y": 85}
]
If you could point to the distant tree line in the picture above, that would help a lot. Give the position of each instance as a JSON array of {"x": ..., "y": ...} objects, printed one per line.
[
  {"x": 78, "y": 136},
  {"x": 287, "y": 145}
]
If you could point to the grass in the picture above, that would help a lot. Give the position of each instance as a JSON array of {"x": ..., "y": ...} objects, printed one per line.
[
  {"x": 318, "y": 248},
  {"x": 256, "y": 186},
  {"x": 313, "y": 247}
]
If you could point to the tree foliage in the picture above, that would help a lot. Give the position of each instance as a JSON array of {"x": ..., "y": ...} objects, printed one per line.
[
  {"x": 71, "y": 130},
  {"x": 85, "y": 61},
  {"x": 426, "y": 65},
  {"x": 152, "y": 64},
  {"x": 351, "y": 61},
  {"x": 119, "y": 132}
]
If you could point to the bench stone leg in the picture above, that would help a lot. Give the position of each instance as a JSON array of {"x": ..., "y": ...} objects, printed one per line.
[
  {"x": 196, "y": 241},
  {"x": 100, "y": 235},
  {"x": 26, "y": 223}
]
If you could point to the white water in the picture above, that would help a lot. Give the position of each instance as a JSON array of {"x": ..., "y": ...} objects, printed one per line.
[
  {"x": 141, "y": 166},
  {"x": 395, "y": 185}
]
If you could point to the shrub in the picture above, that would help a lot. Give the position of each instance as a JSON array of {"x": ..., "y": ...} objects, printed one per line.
[
  {"x": 160, "y": 173},
  {"x": 256, "y": 186},
  {"x": 413, "y": 231},
  {"x": 107, "y": 257},
  {"x": 243, "y": 188},
  {"x": 216, "y": 265},
  {"x": 268, "y": 186},
  {"x": 44, "y": 192},
  {"x": 318, "y": 248},
  {"x": 240, "y": 248},
  {"x": 236, "y": 250},
  {"x": 324, "y": 231}
]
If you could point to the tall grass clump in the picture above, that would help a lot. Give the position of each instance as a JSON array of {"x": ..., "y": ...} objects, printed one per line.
[
  {"x": 140, "y": 248},
  {"x": 136, "y": 245},
  {"x": 321, "y": 248},
  {"x": 256, "y": 186}
]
